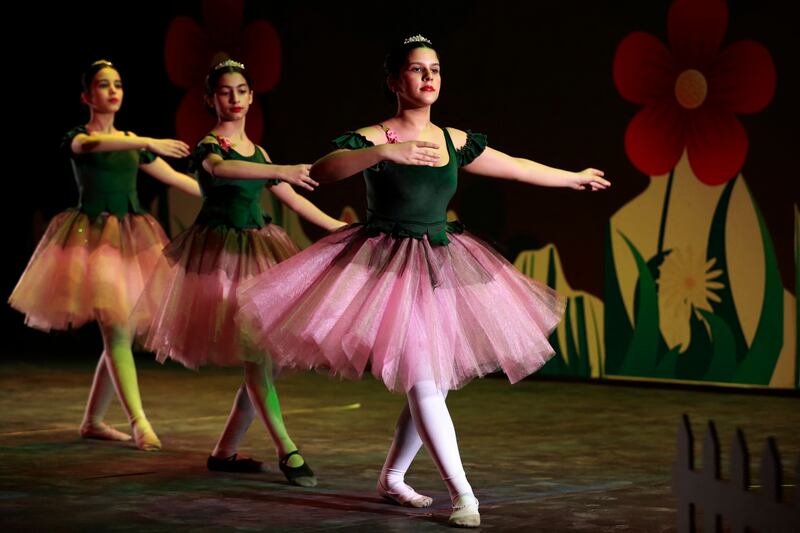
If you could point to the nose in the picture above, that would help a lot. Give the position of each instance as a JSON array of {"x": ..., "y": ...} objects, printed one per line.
[{"x": 427, "y": 75}]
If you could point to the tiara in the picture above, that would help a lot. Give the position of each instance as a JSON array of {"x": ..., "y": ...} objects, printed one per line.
[
  {"x": 229, "y": 63},
  {"x": 102, "y": 62},
  {"x": 417, "y": 39}
]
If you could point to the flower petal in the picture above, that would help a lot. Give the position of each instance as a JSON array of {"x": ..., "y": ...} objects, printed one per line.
[
  {"x": 742, "y": 79},
  {"x": 186, "y": 52},
  {"x": 255, "y": 122},
  {"x": 262, "y": 55},
  {"x": 695, "y": 29},
  {"x": 192, "y": 121},
  {"x": 655, "y": 138},
  {"x": 644, "y": 70},
  {"x": 716, "y": 144}
]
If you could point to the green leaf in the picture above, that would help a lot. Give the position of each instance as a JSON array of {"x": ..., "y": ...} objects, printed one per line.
[
  {"x": 759, "y": 364},
  {"x": 617, "y": 327},
  {"x": 641, "y": 357}
]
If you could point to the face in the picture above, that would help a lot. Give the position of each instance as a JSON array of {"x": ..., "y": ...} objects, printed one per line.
[
  {"x": 420, "y": 80},
  {"x": 232, "y": 97},
  {"x": 105, "y": 93}
]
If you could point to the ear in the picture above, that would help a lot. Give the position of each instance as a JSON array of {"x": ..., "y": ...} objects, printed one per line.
[
  {"x": 391, "y": 83},
  {"x": 85, "y": 98},
  {"x": 250, "y": 102}
]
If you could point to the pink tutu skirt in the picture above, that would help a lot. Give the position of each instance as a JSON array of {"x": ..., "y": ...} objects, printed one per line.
[
  {"x": 409, "y": 310},
  {"x": 88, "y": 270},
  {"x": 186, "y": 313}
]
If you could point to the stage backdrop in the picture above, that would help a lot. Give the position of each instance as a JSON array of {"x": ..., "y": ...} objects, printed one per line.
[{"x": 685, "y": 270}]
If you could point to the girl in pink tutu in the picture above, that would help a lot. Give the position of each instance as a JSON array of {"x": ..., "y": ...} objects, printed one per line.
[
  {"x": 424, "y": 303},
  {"x": 187, "y": 315},
  {"x": 93, "y": 261}
]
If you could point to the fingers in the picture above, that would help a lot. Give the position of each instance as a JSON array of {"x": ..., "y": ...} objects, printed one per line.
[
  {"x": 424, "y": 157},
  {"x": 173, "y": 148},
  {"x": 594, "y": 172},
  {"x": 307, "y": 185},
  {"x": 426, "y": 144}
]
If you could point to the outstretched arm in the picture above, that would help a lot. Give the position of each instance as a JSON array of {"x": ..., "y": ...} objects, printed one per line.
[
  {"x": 496, "y": 164},
  {"x": 160, "y": 170},
  {"x": 246, "y": 170},
  {"x": 341, "y": 164},
  {"x": 104, "y": 142},
  {"x": 303, "y": 207}
]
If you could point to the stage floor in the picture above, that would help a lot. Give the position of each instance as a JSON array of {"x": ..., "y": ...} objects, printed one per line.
[{"x": 541, "y": 455}]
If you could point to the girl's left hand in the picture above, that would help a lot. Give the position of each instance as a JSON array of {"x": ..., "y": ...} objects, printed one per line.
[{"x": 590, "y": 177}]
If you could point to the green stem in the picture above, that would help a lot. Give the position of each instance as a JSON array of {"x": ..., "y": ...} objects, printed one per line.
[{"x": 664, "y": 212}]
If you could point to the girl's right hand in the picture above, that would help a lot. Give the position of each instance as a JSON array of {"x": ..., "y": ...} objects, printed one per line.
[
  {"x": 299, "y": 175},
  {"x": 412, "y": 153},
  {"x": 168, "y": 147}
]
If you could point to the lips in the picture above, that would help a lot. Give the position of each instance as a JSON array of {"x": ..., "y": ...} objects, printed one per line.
[
  {"x": 113, "y": 100},
  {"x": 237, "y": 109},
  {"x": 428, "y": 88}
]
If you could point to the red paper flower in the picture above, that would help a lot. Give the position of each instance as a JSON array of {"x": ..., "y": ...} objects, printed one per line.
[
  {"x": 224, "y": 143},
  {"x": 691, "y": 92},
  {"x": 190, "y": 50}
]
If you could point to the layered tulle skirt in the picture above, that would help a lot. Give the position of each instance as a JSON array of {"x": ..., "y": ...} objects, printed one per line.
[
  {"x": 88, "y": 270},
  {"x": 404, "y": 309},
  {"x": 186, "y": 312}
]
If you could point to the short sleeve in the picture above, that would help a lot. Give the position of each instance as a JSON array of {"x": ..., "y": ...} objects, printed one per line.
[
  {"x": 146, "y": 157},
  {"x": 475, "y": 145},
  {"x": 66, "y": 140},
  {"x": 201, "y": 151},
  {"x": 351, "y": 141}
]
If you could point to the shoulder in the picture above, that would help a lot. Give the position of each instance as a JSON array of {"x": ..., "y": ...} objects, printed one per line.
[
  {"x": 264, "y": 153},
  {"x": 208, "y": 139},
  {"x": 373, "y": 134},
  {"x": 459, "y": 137}
]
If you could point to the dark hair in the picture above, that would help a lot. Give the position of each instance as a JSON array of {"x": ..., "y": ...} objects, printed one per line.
[
  {"x": 217, "y": 71},
  {"x": 89, "y": 74},
  {"x": 397, "y": 56},
  {"x": 225, "y": 67}
]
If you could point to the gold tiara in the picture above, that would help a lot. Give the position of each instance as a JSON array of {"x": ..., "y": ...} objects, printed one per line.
[
  {"x": 418, "y": 39},
  {"x": 229, "y": 63}
]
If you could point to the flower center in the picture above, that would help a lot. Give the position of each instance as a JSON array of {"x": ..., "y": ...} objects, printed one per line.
[
  {"x": 691, "y": 89},
  {"x": 688, "y": 282}
]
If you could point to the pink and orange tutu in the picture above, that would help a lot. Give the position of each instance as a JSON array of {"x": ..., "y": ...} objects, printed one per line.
[
  {"x": 186, "y": 312},
  {"x": 402, "y": 308},
  {"x": 87, "y": 269}
]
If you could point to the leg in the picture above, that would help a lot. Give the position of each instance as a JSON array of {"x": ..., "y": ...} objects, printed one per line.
[
  {"x": 121, "y": 368},
  {"x": 239, "y": 420},
  {"x": 435, "y": 427},
  {"x": 264, "y": 397},
  {"x": 406, "y": 444},
  {"x": 224, "y": 457},
  {"x": 93, "y": 426}
]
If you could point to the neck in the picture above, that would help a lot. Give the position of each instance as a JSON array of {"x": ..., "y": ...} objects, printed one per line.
[
  {"x": 417, "y": 118},
  {"x": 232, "y": 129},
  {"x": 101, "y": 122}
]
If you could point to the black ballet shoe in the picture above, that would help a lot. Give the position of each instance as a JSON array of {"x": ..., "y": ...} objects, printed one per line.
[
  {"x": 301, "y": 476},
  {"x": 233, "y": 464}
]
